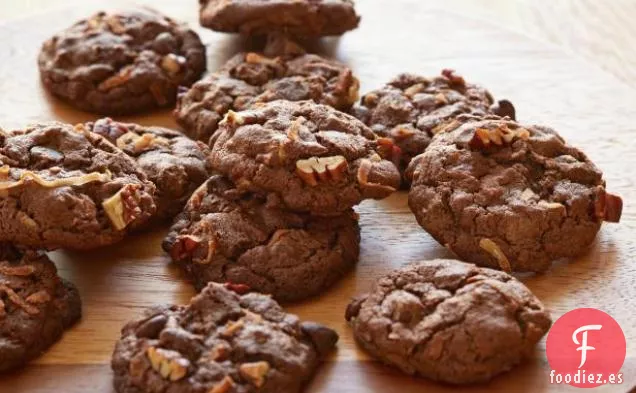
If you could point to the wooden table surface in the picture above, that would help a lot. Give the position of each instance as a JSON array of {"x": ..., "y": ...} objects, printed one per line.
[{"x": 565, "y": 63}]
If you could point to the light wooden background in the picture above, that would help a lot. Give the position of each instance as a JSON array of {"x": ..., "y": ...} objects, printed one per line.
[{"x": 566, "y": 63}]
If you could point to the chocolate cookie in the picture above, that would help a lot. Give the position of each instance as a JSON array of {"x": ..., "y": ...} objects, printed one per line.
[
  {"x": 449, "y": 321},
  {"x": 69, "y": 188},
  {"x": 307, "y": 18},
  {"x": 174, "y": 163},
  {"x": 409, "y": 109},
  {"x": 222, "y": 342},
  {"x": 508, "y": 196},
  {"x": 250, "y": 78},
  {"x": 36, "y": 306},
  {"x": 227, "y": 236},
  {"x": 303, "y": 156},
  {"x": 121, "y": 63}
]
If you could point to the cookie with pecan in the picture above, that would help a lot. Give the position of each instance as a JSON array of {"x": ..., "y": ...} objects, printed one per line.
[
  {"x": 509, "y": 196},
  {"x": 222, "y": 342},
  {"x": 408, "y": 110},
  {"x": 302, "y": 156},
  {"x": 306, "y": 18},
  {"x": 251, "y": 78},
  {"x": 449, "y": 321},
  {"x": 121, "y": 62},
  {"x": 36, "y": 306},
  {"x": 65, "y": 187},
  {"x": 174, "y": 163},
  {"x": 224, "y": 235}
]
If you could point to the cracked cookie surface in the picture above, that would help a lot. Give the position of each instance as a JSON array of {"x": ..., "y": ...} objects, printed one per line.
[
  {"x": 174, "y": 163},
  {"x": 449, "y": 321},
  {"x": 121, "y": 63},
  {"x": 409, "y": 108},
  {"x": 251, "y": 78},
  {"x": 508, "y": 196},
  {"x": 36, "y": 306},
  {"x": 306, "y": 18},
  {"x": 66, "y": 187},
  {"x": 222, "y": 342},
  {"x": 227, "y": 236},
  {"x": 303, "y": 156}
]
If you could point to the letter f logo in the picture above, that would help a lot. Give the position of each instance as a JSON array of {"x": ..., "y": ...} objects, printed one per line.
[{"x": 583, "y": 344}]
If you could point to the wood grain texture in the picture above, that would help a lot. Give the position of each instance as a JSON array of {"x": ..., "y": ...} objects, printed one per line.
[
  {"x": 600, "y": 31},
  {"x": 589, "y": 107}
]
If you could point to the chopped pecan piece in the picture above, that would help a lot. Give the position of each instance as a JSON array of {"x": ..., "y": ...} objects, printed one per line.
[
  {"x": 389, "y": 150},
  {"x": 440, "y": 99},
  {"x": 366, "y": 166},
  {"x": 184, "y": 247},
  {"x": 414, "y": 89},
  {"x": 232, "y": 119},
  {"x": 444, "y": 126},
  {"x": 402, "y": 133},
  {"x": 293, "y": 133},
  {"x": 552, "y": 206},
  {"x": 232, "y": 327},
  {"x": 17, "y": 300},
  {"x": 24, "y": 270},
  {"x": 169, "y": 364},
  {"x": 224, "y": 386},
  {"x": 241, "y": 289},
  {"x": 116, "y": 80},
  {"x": 140, "y": 143},
  {"x": 315, "y": 169},
  {"x": 220, "y": 352},
  {"x": 608, "y": 207},
  {"x": 115, "y": 24},
  {"x": 453, "y": 77},
  {"x": 255, "y": 372},
  {"x": 172, "y": 63},
  {"x": 39, "y": 297},
  {"x": 123, "y": 207},
  {"x": 252, "y": 316},
  {"x": 484, "y": 137},
  {"x": 5, "y": 171},
  {"x": 353, "y": 90},
  {"x": 370, "y": 100},
  {"x": 493, "y": 249},
  {"x": 28, "y": 176},
  {"x": 94, "y": 22},
  {"x": 255, "y": 58}
]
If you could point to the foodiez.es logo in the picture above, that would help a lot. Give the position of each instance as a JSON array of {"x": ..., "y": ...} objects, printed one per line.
[{"x": 586, "y": 348}]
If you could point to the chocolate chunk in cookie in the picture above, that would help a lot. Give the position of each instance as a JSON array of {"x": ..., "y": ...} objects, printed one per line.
[
  {"x": 250, "y": 78},
  {"x": 508, "y": 196},
  {"x": 449, "y": 321},
  {"x": 409, "y": 109},
  {"x": 303, "y": 156},
  {"x": 36, "y": 306},
  {"x": 305, "y": 18},
  {"x": 228, "y": 236},
  {"x": 221, "y": 342},
  {"x": 174, "y": 163},
  {"x": 121, "y": 63},
  {"x": 68, "y": 187}
]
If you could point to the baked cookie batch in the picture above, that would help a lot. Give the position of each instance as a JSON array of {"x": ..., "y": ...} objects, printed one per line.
[{"x": 275, "y": 151}]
